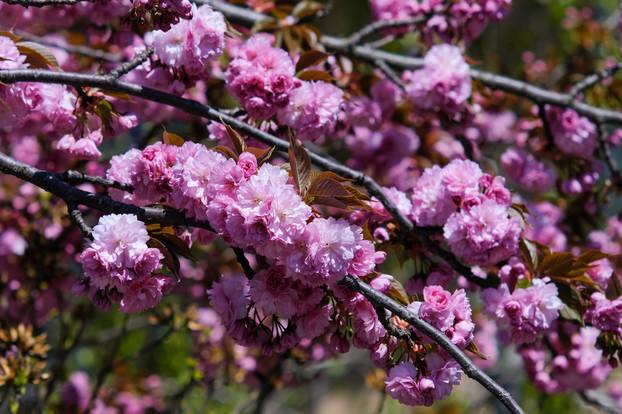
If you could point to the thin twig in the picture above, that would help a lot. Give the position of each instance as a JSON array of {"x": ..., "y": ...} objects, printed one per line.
[
  {"x": 108, "y": 364},
  {"x": 492, "y": 80},
  {"x": 597, "y": 404},
  {"x": 593, "y": 79},
  {"x": 75, "y": 49},
  {"x": 243, "y": 261},
  {"x": 78, "y": 219},
  {"x": 77, "y": 177},
  {"x": 390, "y": 73},
  {"x": 127, "y": 67}
]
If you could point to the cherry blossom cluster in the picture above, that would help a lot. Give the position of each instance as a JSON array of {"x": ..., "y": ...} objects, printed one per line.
[
  {"x": 190, "y": 45},
  {"x": 463, "y": 19},
  {"x": 474, "y": 209},
  {"x": 119, "y": 266},
  {"x": 262, "y": 78},
  {"x": 444, "y": 82}
]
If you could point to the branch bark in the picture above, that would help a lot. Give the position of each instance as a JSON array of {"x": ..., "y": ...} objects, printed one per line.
[
  {"x": 510, "y": 85},
  {"x": 54, "y": 184},
  {"x": 43, "y": 3},
  {"x": 470, "y": 369},
  {"x": 407, "y": 227}
]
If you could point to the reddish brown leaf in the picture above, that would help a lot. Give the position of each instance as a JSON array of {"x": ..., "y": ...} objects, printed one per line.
[
  {"x": 172, "y": 139},
  {"x": 315, "y": 75},
  {"x": 38, "y": 56},
  {"x": 311, "y": 58},
  {"x": 300, "y": 165}
]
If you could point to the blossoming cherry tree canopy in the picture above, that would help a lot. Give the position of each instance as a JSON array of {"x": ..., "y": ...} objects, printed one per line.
[{"x": 207, "y": 203}]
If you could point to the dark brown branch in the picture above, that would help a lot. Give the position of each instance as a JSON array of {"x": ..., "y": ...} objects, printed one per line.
[
  {"x": 513, "y": 86},
  {"x": 594, "y": 78},
  {"x": 77, "y": 177},
  {"x": 78, "y": 219},
  {"x": 42, "y": 3},
  {"x": 243, "y": 261},
  {"x": 407, "y": 228},
  {"x": 129, "y": 66},
  {"x": 53, "y": 183},
  {"x": 470, "y": 369}
]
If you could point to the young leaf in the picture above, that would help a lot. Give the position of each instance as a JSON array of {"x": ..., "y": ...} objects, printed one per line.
[
  {"x": 172, "y": 139},
  {"x": 315, "y": 75},
  {"x": 226, "y": 151},
  {"x": 396, "y": 291},
  {"x": 300, "y": 165},
  {"x": 15, "y": 38},
  {"x": 170, "y": 258},
  {"x": 306, "y": 9},
  {"x": 38, "y": 56},
  {"x": 310, "y": 58},
  {"x": 238, "y": 142},
  {"x": 472, "y": 348},
  {"x": 262, "y": 154}
]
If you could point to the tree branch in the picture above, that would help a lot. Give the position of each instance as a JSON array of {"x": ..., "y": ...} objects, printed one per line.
[
  {"x": 77, "y": 177},
  {"x": 78, "y": 219},
  {"x": 53, "y": 183},
  {"x": 42, "y": 3},
  {"x": 593, "y": 79},
  {"x": 510, "y": 85},
  {"x": 470, "y": 369},
  {"x": 76, "y": 49},
  {"x": 129, "y": 66},
  {"x": 196, "y": 108}
]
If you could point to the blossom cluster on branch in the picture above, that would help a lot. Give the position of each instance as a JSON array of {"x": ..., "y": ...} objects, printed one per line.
[{"x": 303, "y": 169}]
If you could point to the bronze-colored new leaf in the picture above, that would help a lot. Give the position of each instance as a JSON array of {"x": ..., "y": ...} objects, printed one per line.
[
  {"x": 300, "y": 164},
  {"x": 310, "y": 58},
  {"x": 238, "y": 142},
  {"x": 38, "y": 56},
  {"x": 170, "y": 258},
  {"x": 315, "y": 75},
  {"x": 172, "y": 139}
]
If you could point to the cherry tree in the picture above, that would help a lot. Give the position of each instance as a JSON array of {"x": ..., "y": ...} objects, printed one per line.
[{"x": 228, "y": 174}]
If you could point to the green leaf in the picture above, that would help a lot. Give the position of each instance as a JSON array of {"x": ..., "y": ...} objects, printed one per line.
[
  {"x": 311, "y": 58},
  {"x": 570, "y": 314},
  {"x": 38, "y": 56}
]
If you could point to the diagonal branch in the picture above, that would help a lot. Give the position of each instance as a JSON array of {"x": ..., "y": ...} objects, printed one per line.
[
  {"x": 594, "y": 78},
  {"x": 42, "y": 3},
  {"x": 54, "y": 184},
  {"x": 470, "y": 369},
  {"x": 510, "y": 85},
  {"x": 407, "y": 227},
  {"x": 129, "y": 66}
]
